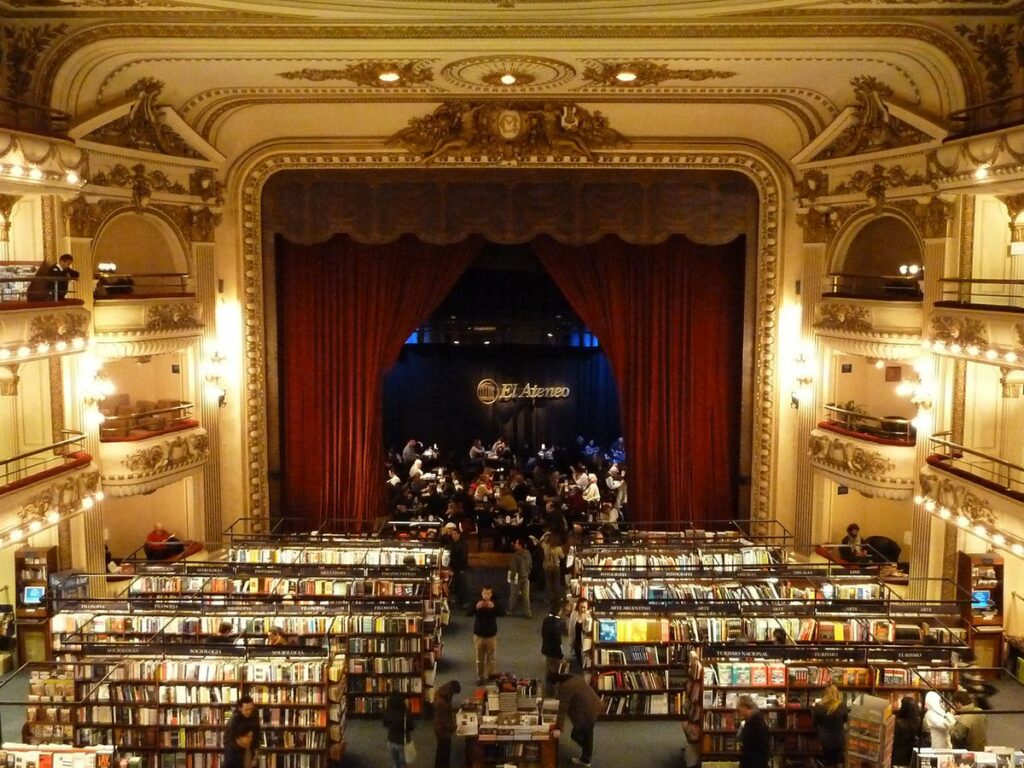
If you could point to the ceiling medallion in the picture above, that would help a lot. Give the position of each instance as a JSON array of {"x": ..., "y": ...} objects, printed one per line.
[
  {"x": 488, "y": 73},
  {"x": 373, "y": 73},
  {"x": 508, "y": 131},
  {"x": 640, "y": 72}
]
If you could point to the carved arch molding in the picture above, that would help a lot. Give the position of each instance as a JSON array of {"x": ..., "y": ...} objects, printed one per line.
[{"x": 711, "y": 198}]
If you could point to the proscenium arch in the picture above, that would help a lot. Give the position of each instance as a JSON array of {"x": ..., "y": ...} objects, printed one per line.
[
  {"x": 248, "y": 176},
  {"x": 146, "y": 233}
]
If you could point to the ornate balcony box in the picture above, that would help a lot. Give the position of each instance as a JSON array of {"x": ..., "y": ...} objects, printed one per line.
[
  {"x": 973, "y": 499},
  {"x": 873, "y": 468},
  {"x": 982, "y": 335},
  {"x": 138, "y": 467},
  {"x": 888, "y": 330},
  {"x": 60, "y": 492},
  {"x": 143, "y": 326},
  {"x": 42, "y": 330}
]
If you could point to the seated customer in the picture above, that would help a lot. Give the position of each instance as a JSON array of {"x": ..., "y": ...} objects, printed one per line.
[
  {"x": 161, "y": 544},
  {"x": 853, "y": 550}
]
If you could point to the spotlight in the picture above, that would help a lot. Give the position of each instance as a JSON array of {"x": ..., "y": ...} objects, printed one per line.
[
  {"x": 17, "y": 170},
  {"x": 963, "y": 521},
  {"x": 24, "y": 351},
  {"x": 979, "y": 530},
  {"x": 17, "y": 534},
  {"x": 879, "y": 364},
  {"x": 919, "y": 499},
  {"x": 5, "y": 354},
  {"x": 487, "y": 341}
]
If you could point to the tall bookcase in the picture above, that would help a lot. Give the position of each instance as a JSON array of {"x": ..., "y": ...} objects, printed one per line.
[
  {"x": 33, "y": 567},
  {"x": 980, "y": 576}
]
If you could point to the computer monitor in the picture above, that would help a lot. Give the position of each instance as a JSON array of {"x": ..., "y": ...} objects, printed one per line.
[
  {"x": 33, "y": 595},
  {"x": 981, "y": 599}
]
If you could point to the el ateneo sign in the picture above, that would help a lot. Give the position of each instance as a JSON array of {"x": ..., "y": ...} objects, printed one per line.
[{"x": 489, "y": 392}]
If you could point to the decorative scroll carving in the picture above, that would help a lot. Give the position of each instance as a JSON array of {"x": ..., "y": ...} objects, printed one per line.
[
  {"x": 845, "y": 456},
  {"x": 84, "y": 218},
  {"x": 142, "y": 183},
  {"x": 197, "y": 224},
  {"x": 958, "y": 498},
  {"x": 367, "y": 73},
  {"x": 9, "y": 380},
  {"x": 813, "y": 184},
  {"x": 486, "y": 73},
  {"x": 203, "y": 183},
  {"x": 21, "y": 47},
  {"x": 964, "y": 331},
  {"x": 56, "y": 327},
  {"x": 645, "y": 72},
  {"x": 994, "y": 48},
  {"x": 932, "y": 218},
  {"x": 508, "y": 130},
  {"x": 176, "y": 316},
  {"x": 143, "y": 127},
  {"x": 1014, "y": 205},
  {"x": 874, "y": 183},
  {"x": 175, "y": 453},
  {"x": 64, "y": 497},
  {"x": 850, "y": 318},
  {"x": 816, "y": 225},
  {"x": 875, "y": 129},
  {"x": 6, "y": 207}
]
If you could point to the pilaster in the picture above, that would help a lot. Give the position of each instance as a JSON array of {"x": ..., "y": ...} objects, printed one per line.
[{"x": 208, "y": 495}]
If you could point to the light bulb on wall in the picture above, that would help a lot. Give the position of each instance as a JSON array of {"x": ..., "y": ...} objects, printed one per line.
[{"x": 214, "y": 371}]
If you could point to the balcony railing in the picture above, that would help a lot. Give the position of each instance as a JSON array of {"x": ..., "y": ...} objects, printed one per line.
[
  {"x": 983, "y": 293},
  {"x": 990, "y": 470},
  {"x": 881, "y": 287},
  {"x": 891, "y": 429},
  {"x": 49, "y": 457},
  {"x": 152, "y": 421},
  {"x": 19, "y": 282},
  {"x": 989, "y": 116},
  {"x": 33, "y": 118},
  {"x": 151, "y": 285}
]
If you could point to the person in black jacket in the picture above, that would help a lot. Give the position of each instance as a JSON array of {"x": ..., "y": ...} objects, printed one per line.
[
  {"x": 399, "y": 726},
  {"x": 245, "y": 717},
  {"x": 755, "y": 741},
  {"x": 60, "y": 275},
  {"x": 829, "y": 716},
  {"x": 551, "y": 632},
  {"x": 906, "y": 732},
  {"x": 238, "y": 748},
  {"x": 485, "y": 633},
  {"x": 458, "y": 561}
]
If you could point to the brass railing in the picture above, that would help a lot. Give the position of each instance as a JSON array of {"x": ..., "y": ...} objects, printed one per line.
[
  {"x": 23, "y": 465},
  {"x": 990, "y": 468},
  {"x": 121, "y": 285},
  {"x": 881, "y": 287},
  {"x": 885, "y": 427},
  {"x": 971, "y": 291},
  {"x": 19, "y": 281}
]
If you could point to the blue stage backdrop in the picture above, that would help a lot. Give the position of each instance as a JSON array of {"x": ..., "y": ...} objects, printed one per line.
[{"x": 434, "y": 394}]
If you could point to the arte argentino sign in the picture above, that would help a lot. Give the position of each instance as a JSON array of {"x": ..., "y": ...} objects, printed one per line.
[{"x": 489, "y": 392}]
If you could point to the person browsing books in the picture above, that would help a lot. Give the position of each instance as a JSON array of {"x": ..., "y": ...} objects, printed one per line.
[
  {"x": 829, "y": 716},
  {"x": 245, "y": 719},
  {"x": 578, "y": 701},
  {"x": 753, "y": 735}
]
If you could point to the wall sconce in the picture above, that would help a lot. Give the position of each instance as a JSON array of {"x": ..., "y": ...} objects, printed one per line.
[
  {"x": 920, "y": 394},
  {"x": 1016, "y": 246},
  {"x": 214, "y": 376},
  {"x": 803, "y": 378},
  {"x": 97, "y": 390}
]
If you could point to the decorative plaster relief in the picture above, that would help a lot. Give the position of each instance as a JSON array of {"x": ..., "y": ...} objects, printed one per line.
[
  {"x": 173, "y": 316},
  {"x": 509, "y": 131},
  {"x": 140, "y": 467},
  {"x": 850, "y": 318},
  {"x": 63, "y": 495},
  {"x": 368, "y": 73},
  {"x": 966, "y": 332},
  {"x": 485, "y": 73},
  {"x": 55, "y": 327},
  {"x": 959, "y": 499},
  {"x": 847, "y": 456},
  {"x": 644, "y": 72}
]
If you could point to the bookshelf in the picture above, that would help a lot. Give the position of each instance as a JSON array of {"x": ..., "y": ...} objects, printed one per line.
[
  {"x": 870, "y": 733},
  {"x": 980, "y": 578},
  {"x": 49, "y": 714},
  {"x": 33, "y": 567}
]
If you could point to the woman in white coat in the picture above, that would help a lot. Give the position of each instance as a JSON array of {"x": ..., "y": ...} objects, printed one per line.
[{"x": 937, "y": 720}]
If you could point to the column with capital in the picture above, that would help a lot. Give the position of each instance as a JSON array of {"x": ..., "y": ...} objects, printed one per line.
[{"x": 207, "y": 497}]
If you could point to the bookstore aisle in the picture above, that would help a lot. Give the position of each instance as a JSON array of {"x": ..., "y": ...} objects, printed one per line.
[{"x": 657, "y": 743}]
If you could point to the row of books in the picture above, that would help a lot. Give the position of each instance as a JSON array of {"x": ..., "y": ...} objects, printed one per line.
[
  {"x": 647, "y": 679},
  {"x": 345, "y": 555},
  {"x": 16, "y": 755},
  {"x": 684, "y": 589},
  {"x": 266, "y": 585},
  {"x": 362, "y": 665},
  {"x": 639, "y": 655},
  {"x": 695, "y": 557},
  {"x": 631, "y": 704}
]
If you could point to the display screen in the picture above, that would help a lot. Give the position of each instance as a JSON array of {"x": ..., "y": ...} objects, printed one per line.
[
  {"x": 34, "y": 595},
  {"x": 981, "y": 599}
]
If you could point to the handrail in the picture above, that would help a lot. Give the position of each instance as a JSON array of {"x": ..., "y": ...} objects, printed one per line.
[
  {"x": 7, "y": 470},
  {"x": 880, "y": 287},
  {"x": 50, "y": 121},
  {"x": 155, "y": 412},
  {"x": 989, "y": 115},
  {"x": 115, "y": 285},
  {"x": 979, "y": 291},
  {"x": 872, "y": 425},
  {"x": 955, "y": 452}
]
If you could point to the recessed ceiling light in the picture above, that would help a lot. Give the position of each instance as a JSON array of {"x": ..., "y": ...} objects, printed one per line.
[
  {"x": 389, "y": 77},
  {"x": 625, "y": 76},
  {"x": 551, "y": 335},
  {"x": 508, "y": 79},
  {"x": 488, "y": 341}
]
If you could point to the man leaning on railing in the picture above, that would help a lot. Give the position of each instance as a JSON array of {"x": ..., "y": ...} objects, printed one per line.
[{"x": 51, "y": 281}]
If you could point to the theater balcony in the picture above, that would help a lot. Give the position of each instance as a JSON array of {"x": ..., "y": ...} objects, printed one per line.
[
  {"x": 972, "y": 328},
  {"x": 148, "y": 445},
  {"x": 880, "y": 327},
  {"x": 44, "y": 486},
  {"x": 973, "y": 488},
  {"x": 33, "y": 323},
  {"x": 36, "y": 156},
  {"x": 873, "y": 455},
  {"x": 140, "y": 315}
]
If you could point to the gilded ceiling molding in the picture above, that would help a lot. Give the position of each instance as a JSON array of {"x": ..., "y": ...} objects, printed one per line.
[
  {"x": 644, "y": 72},
  {"x": 923, "y": 33},
  {"x": 514, "y": 131},
  {"x": 504, "y": 73},
  {"x": 877, "y": 181},
  {"x": 21, "y": 47},
  {"x": 142, "y": 183},
  {"x": 368, "y": 73},
  {"x": 85, "y": 216},
  {"x": 1000, "y": 52},
  {"x": 755, "y": 163},
  {"x": 816, "y": 225},
  {"x": 875, "y": 128}
]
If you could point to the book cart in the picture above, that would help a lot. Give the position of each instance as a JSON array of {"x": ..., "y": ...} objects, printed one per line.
[{"x": 681, "y": 632}]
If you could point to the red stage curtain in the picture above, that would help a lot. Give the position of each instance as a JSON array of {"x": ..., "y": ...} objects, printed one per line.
[
  {"x": 670, "y": 319},
  {"x": 344, "y": 311}
]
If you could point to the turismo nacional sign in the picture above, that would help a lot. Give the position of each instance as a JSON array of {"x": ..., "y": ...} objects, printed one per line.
[{"x": 489, "y": 392}]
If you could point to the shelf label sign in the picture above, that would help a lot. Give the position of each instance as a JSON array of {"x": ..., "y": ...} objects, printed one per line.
[{"x": 489, "y": 392}]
